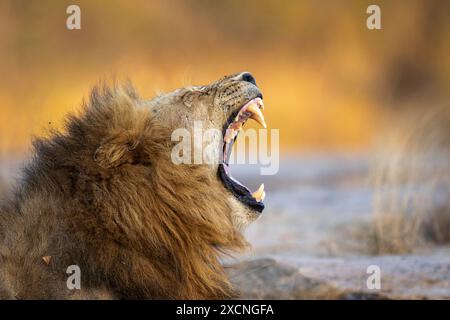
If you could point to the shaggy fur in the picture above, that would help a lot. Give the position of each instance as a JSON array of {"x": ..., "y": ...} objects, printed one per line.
[{"x": 105, "y": 195}]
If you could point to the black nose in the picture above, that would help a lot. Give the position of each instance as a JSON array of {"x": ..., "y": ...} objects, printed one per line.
[{"x": 248, "y": 77}]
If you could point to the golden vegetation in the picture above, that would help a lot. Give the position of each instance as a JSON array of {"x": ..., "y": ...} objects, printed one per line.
[
  {"x": 412, "y": 181},
  {"x": 327, "y": 79}
]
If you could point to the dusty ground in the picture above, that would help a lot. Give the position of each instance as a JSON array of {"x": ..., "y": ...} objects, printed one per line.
[
  {"x": 304, "y": 245},
  {"x": 402, "y": 277}
]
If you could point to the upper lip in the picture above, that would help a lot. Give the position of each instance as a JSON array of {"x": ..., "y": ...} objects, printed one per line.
[{"x": 252, "y": 109}]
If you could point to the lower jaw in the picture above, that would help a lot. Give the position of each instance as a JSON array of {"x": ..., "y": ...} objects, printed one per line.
[{"x": 241, "y": 193}]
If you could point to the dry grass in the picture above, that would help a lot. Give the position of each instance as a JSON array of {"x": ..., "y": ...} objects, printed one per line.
[
  {"x": 412, "y": 184},
  {"x": 2, "y": 191},
  {"x": 3, "y": 188}
]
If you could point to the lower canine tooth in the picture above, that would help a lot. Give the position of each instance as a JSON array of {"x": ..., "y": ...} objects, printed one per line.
[{"x": 259, "y": 194}]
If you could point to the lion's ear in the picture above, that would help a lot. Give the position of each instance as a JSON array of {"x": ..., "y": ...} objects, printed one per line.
[{"x": 116, "y": 150}]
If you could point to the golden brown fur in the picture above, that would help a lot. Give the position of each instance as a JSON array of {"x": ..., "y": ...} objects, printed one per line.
[{"x": 105, "y": 195}]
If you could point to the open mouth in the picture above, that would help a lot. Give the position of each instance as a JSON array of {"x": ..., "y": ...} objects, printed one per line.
[{"x": 250, "y": 110}]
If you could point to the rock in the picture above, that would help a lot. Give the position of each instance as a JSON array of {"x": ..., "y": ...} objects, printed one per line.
[
  {"x": 268, "y": 279},
  {"x": 402, "y": 277}
]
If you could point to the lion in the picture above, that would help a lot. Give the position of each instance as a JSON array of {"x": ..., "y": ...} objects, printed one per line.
[{"x": 105, "y": 196}]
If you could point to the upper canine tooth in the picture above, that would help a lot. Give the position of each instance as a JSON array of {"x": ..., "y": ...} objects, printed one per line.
[
  {"x": 259, "y": 194},
  {"x": 256, "y": 115}
]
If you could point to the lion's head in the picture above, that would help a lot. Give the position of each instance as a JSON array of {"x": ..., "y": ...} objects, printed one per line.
[{"x": 224, "y": 105}]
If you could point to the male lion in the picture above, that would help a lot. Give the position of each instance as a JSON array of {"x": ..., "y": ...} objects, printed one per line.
[{"x": 106, "y": 196}]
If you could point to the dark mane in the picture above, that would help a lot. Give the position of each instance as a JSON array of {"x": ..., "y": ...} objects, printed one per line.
[{"x": 104, "y": 195}]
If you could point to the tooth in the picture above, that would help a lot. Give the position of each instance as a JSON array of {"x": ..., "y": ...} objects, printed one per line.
[
  {"x": 260, "y": 103},
  {"x": 229, "y": 135},
  {"x": 256, "y": 115},
  {"x": 232, "y": 130},
  {"x": 259, "y": 194},
  {"x": 236, "y": 126}
]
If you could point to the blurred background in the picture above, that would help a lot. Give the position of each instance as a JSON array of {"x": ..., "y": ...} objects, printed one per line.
[{"x": 363, "y": 114}]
